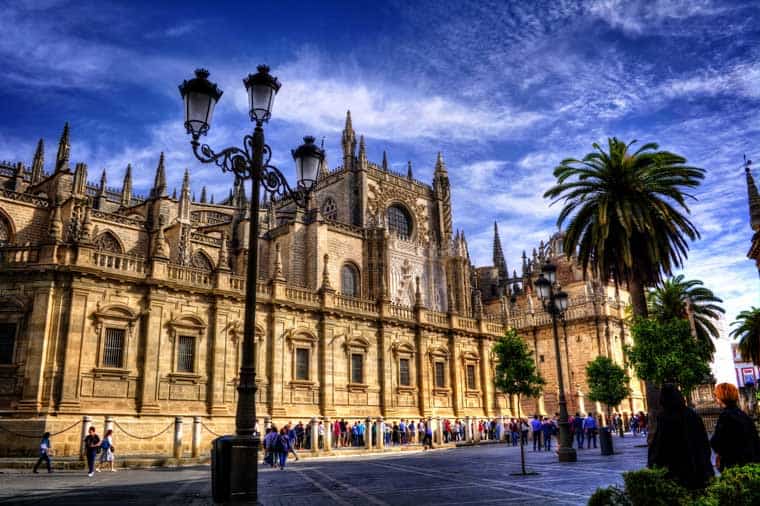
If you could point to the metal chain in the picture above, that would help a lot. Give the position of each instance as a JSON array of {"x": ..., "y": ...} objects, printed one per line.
[
  {"x": 37, "y": 436},
  {"x": 211, "y": 431},
  {"x": 142, "y": 437}
]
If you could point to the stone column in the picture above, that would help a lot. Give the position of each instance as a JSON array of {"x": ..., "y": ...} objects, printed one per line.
[
  {"x": 219, "y": 339},
  {"x": 108, "y": 425},
  {"x": 151, "y": 370},
  {"x": 380, "y": 433},
  {"x": 86, "y": 423},
  {"x": 439, "y": 429},
  {"x": 502, "y": 430},
  {"x": 486, "y": 380},
  {"x": 314, "y": 435},
  {"x": 38, "y": 334},
  {"x": 368, "y": 433},
  {"x": 196, "y": 436},
  {"x": 178, "y": 437},
  {"x": 467, "y": 429},
  {"x": 541, "y": 406},
  {"x": 76, "y": 329},
  {"x": 328, "y": 433},
  {"x": 581, "y": 402}
]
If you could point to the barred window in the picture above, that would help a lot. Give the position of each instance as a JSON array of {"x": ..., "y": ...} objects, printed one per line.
[
  {"x": 440, "y": 375},
  {"x": 403, "y": 370},
  {"x": 302, "y": 363},
  {"x": 186, "y": 354},
  {"x": 329, "y": 209},
  {"x": 399, "y": 221},
  {"x": 357, "y": 368},
  {"x": 7, "y": 342},
  {"x": 113, "y": 351},
  {"x": 349, "y": 280},
  {"x": 471, "y": 377}
]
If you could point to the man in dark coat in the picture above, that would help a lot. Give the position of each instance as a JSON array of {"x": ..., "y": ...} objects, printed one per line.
[
  {"x": 735, "y": 439},
  {"x": 680, "y": 442}
]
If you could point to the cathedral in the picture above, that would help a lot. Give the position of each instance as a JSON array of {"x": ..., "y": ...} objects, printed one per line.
[{"x": 129, "y": 308}]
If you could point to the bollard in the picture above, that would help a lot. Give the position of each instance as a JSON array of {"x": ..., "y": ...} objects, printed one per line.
[
  {"x": 196, "y": 436},
  {"x": 314, "y": 435},
  {"x": 380, "y": 433},
  {"x": 368, "y": 433},
  {"x": 108, "y": 425},
  {"x": 429, "y": 426},
  {"x": 439, "y": 430},
  {"x": 86, "y": 422},
  {"x": 178, "y": 437},
  {"x": 467, "y": 430},
  {"x": 502, "y": 429},
  {"x": 328, "y": 434}
]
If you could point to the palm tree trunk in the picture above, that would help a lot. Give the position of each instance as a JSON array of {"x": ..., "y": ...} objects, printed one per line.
[{"x": 639, "y": 303}]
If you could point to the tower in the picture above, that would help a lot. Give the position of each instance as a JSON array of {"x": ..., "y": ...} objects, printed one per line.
[
  {"x": 349, "y": 143},
  {"x": 442, "y": 193},
  {"x": 64, "y": 149},
  {"x": 126, "y": 188},
  {"x": 38, "y": 163},
  {"x": 498, "y": 256}
]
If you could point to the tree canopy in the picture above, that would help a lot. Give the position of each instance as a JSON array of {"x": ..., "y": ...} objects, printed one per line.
[
  {"x": 747, "y": 330},
  {"x": 607, "y": 381},
  {"x": 516, "y": 372}
]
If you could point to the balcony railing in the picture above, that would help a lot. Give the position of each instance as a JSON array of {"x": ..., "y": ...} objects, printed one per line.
[
  {"x": 190, "y": 275},
  {"x": 354, "y": 304},
  {"x": 119, "y": 262}
]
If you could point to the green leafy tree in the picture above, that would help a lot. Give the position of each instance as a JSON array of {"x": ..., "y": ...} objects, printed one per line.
[
  {"x": 687, "y": 299},
  {"x": 667, "y": 352},
  {"x": 627, "y": 216},
  {"x": 747, "y": 331},
  {"x": 607, "y": 382},
  {"x": 516, "y": 372}
]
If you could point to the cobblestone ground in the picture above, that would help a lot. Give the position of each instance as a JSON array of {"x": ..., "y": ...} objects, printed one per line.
[{"x": 472, "y": 475}]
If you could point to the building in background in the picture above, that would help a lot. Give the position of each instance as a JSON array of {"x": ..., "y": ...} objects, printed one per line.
[
  {"x": 754, "y": 217},
  {"x": 130, "y": 307}
]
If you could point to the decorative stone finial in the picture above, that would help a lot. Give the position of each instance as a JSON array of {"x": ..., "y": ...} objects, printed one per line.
[
  {"x": 325, "y": 272},
  {"x": 278, "y": 274}
]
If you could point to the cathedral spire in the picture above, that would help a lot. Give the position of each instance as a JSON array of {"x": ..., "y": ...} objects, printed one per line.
[
  {"x": 203, "y": 195},
  {"x": 498, "y": 255},
  {"x": 100, "y": 200},
  {"x": 38, "y": 162},
  {"x": 440, "y": 167},
  {"x": 362, "y": 154},
  {"x": 64, "y": 149},
  {"x": 753, "y": 196},
  {"x": 385, "y": 161},
  {"x": 159, "y": 183},
  {"x": 409, "y": 170},
  {"x": 324, "y": 168},
  {"x": 349, "y": 143},
  {"x": 126, "y": 187}
]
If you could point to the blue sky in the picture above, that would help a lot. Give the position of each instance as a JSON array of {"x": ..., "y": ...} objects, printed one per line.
[{"x": 505, "y": 90}]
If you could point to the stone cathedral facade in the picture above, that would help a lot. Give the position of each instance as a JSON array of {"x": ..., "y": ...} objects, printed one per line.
[{"x": 131, "y": 307}]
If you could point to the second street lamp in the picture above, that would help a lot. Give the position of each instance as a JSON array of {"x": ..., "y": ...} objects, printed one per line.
[
  {"x": 235, "y": 462},
  {"x": 555, "y": 303}
]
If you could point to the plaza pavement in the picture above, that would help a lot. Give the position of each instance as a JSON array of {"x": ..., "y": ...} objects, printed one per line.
[{"x": 458, "y": 476}]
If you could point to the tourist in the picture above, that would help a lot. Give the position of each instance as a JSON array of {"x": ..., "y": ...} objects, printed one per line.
[
  {"x": 270, "y": 451},
  {"x": 428, "y": 443},
  {"x": 336, "y": 433},
  {"x": 45, "y": 452},
  {"x": 578, "y": 429},
  {"x": 282, "y": 447},
  {"x": 292, "y": 440},
  {"x": 643, "y": 424},
  {"x": 634, "y": 423},
  {"x": 547, "y": 429},
  {"x": 680, "y": 442},
  {"x": 735, "y": 439},
  {"x": 321, "y": 436},
  {"x": 412, "y": 432},
  {"x": 514, "y": 431},
  {"x": 535, "y": 427},
  {"x": 589, "y": 427},
  {"x": 524, "y": 430},
  {"x": 91, "y": 444},
  {"x": 106, "y": 451},
  {"x": 299, "y": 435}
]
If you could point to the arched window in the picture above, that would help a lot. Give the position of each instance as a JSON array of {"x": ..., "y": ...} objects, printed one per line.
[
  {"x": 107, "y": 242},
  {"x": 329, "y": 209},
  {"x": 6, "y": 235},
  {"x": 349, "y": 280},
  {"x": 399, "y": 221},
  {"x": 200, "y": 261}
]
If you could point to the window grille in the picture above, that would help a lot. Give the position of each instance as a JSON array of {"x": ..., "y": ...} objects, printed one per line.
[
  {"x": 471, "y": 377},
  {"x": 330, "y": 210},
  {"x": 403, "y": 369},
  {"x": 357, "y": 368},
  {"x": 186, "y": 354},
  {"x": 7, "y": 342},
  {"x": 440, "y": 376},
  {"x": 349, "y": 282},
  {"x": 302, "y": 364},
  {"x": 399, "y": 221},
  {"x": 113, "y": 350}
]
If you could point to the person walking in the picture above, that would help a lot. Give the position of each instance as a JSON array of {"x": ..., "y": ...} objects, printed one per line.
[
  {"x": 428, "y": 436},
  {"x": 91, "y": 444},
  {"x": 680, "y": 442},
  {"x": 578, "y": 429},
  {"x": 524, "y": 430},
  {"x": 535, "y": 426},
  {"x": 45, "y": 452},
  {"x": 282, "y": 447},
  {"x": 589, "y": 427},
  {"x": 547, "y": 429},
  {"x": 106, "y": 452},
  {"x": 292, "y": 440},
  {"x": 735, "y": 439}
]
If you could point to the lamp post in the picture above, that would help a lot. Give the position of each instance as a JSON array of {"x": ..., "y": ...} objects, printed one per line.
[
  {"x": 555, "y": 303},
  {"x": 237, "y": 461}
]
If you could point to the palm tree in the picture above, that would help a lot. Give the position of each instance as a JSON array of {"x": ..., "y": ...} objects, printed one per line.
[
  {"x": 687, "y": 299},
  {"x": 627, "y": 213},
  {"x": 748, "y": 332}
]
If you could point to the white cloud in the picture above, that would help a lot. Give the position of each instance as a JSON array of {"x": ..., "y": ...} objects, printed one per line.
[{"x": 637, "y": 17}]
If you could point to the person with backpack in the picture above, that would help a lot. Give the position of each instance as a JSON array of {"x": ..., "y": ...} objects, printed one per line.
[
  {"x": 535, "y": 426},
  {"x": 282, "y": 447},
  {"x": 269, "y": 446},
  {"x": 45, "y": 451},
  {"x": 578, "y": 429},
  {"x": 91, "y": 446},
  {"x": 106, "y": 451}
]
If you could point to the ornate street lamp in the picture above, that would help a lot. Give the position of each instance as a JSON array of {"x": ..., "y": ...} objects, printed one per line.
[
  {"x": 234, "y": 466},
  {"x": 555, "y": 303}
]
